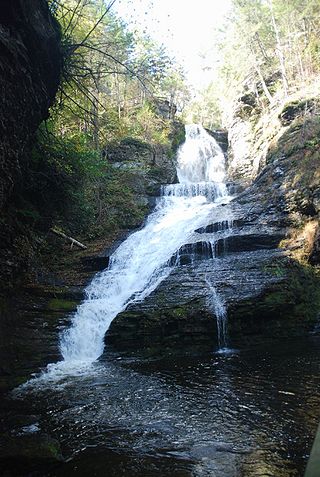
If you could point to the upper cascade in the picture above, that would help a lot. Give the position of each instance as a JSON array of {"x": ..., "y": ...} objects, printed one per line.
[{"x": 200, "y": 158}]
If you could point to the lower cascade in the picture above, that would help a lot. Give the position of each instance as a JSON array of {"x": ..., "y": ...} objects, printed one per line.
[{"x": 143, "y": 260}]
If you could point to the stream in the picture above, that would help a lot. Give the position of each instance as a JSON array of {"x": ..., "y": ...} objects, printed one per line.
[{"x": 250, "y": 413}]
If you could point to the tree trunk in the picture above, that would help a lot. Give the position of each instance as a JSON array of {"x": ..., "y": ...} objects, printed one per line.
[
  {"x": 69, "y": 239},
  {"x": 279, "y": 51},
  {"x": 263, "y": 83}
]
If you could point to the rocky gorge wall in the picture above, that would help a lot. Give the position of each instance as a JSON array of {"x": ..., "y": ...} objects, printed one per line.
[
  {"x": 263, "y": 265},
  {"x": 276, "y": 152},
  {"x": 30, "y": 65},
  {"x": 151, "y": 164}
]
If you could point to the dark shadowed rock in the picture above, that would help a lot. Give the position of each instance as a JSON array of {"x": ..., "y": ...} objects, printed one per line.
[
  {"x": 30, "y": 65},
  {"x": 30, "y": 62}
]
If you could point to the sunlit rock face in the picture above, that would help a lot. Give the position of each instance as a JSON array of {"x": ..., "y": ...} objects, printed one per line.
[
  {"x": 221, "y": 136},
  {"x": 240, "y": 158},
  {"x": 30, "y": 64},
  {"x": 274, "y": 150}
]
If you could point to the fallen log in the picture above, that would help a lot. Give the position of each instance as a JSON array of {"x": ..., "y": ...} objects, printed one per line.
[{"x": 69, "y": 239}]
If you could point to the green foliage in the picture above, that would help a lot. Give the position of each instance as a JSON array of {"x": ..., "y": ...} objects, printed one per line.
[
  {"x": 269, "y": 47},
  {"x": 74, "y": 187},
  {"x": 148, "y": 126},
  {"x": 112, "y": 78},
  {"x": 205, "y": 108},
  {"x": 111, "y": 83},
  {"x": 60, "y": 173}
]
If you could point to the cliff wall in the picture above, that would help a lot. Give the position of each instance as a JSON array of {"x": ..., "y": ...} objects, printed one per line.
[{"x": 30, "y": 65}]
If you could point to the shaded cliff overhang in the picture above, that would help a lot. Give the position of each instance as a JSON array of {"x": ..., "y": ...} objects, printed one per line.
[{"x": 30, "y": 66}]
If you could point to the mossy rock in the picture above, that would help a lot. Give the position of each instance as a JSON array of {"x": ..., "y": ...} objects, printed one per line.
[
  {"x": 177, "y": 135},
  {"x": 296, "y": 108},
  {"x": 178, "y": 327},
  {"x": 37, "y": 446},
  {"x": 289, "y": 308},
  {"x": 58, "y": 304}
]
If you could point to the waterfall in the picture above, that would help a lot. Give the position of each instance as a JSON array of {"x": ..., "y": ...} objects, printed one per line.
[
  {"x": 201, "y": 160},
  {"x": 216, "y": 304},
  {"x": 143, "y": 260}
]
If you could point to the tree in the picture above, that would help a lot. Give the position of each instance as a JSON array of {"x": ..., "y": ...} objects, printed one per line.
[
  {"x": 110, "y": 73},
  {"x": 271, "y": 46}
]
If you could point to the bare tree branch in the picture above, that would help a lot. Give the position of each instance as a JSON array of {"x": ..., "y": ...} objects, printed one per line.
[
  {"x": 95, "y": 25},
  {"x": 132, "y": 72}
]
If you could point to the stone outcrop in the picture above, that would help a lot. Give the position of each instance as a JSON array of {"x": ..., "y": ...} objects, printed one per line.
[
  {"x": 254, "y": 253},
  {"x": 30, "y": 63},
  {"x": 150, "y": 165},
  {"x": 239, "y": 258},
  {"x": 221, "y": 136},
  {"x": 266, "y": 292}
]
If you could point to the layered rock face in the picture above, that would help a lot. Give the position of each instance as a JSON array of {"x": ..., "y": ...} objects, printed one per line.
[
  {"x": 30, "y": 63},
  {"x": 282, "y": 163},
  {"x": 255, "y": 251},
  {"x": 150, "y": 165},
  {"x": 239, "y": 258}
]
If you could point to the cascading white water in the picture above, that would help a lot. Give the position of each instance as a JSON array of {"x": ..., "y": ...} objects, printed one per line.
[
  {"x": 200, "y": 159},
  {"x": 216, "y": 304},
  {"x": 142, "y": 261}
]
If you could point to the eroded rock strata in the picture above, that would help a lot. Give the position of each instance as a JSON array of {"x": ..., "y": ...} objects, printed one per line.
[
  {"x": 260, "y": 262},
  {"x": 30, "y": 65}
]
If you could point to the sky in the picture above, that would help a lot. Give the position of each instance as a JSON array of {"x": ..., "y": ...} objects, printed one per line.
[{"x": 184, "y": 27}]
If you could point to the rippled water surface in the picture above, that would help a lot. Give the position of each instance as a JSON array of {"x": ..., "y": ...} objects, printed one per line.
[{"x": 249, "y": 413}]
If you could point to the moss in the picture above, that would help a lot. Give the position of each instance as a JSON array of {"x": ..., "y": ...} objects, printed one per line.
[
  {"x": 177, "y": 136},
  {"x": 276, "y": 269},
  {"x": 296, "y": 108},
  {"x": 295, "y": 298},
  {"x": 58, "y": 304},
  {"x": 276, "y": 298}
]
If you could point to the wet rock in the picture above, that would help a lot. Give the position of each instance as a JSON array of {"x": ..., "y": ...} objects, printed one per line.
[
  {"x": 235, "y": 188},
  {"x": 263, "y": 290},
  {"x": 43, "y": 293},
  {"x": 185, "y": 326},
  {"x": 178, "y": 313},
  {"x": 95, "y": 263},
  {"x": 221, "y": 136},
  {"x": 20, "y": 455},
  {"x": 261, "y": 287},
  {"x": 29, "y": 336},
  {"x": 230, "y": 244},
  {"x": 217, "y": 227}
]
